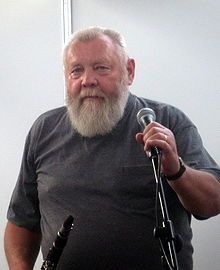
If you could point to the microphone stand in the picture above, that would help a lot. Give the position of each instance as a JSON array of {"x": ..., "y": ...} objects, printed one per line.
[{"x": 164, "y": 233}]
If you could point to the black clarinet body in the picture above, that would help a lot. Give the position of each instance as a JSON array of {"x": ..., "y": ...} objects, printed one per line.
[{"x": 53, "y": 256}]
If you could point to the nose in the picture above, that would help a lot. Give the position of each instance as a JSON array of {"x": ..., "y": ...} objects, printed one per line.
[{"x": 89, "y": 79}]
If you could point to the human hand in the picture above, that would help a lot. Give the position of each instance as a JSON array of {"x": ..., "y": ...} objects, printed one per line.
[{"x": 157, "y": 135}]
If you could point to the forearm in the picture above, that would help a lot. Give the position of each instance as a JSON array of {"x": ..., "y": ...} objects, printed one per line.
[
  {"x": 199, "y": 192},
  {"x": 21, "y": 247}
]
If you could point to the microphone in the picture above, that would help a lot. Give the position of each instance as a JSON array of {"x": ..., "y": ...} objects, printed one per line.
[
  {"x": 144, "y": 117},
  {"x": 56, "y": 250}
]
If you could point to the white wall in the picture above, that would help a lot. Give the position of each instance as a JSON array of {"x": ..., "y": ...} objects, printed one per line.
[
  {"x": 31, "y": 82},
  {"x": 176, "y": 45}
]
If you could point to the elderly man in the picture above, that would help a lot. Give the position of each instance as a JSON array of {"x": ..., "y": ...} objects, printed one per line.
[{"x": 83, "y": 159}]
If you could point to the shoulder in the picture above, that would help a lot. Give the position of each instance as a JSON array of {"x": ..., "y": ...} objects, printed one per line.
[
  {"x": 48, "y": 122},
  {"x": 166, "y": 114},
  {"x": 52, "y": 115}
]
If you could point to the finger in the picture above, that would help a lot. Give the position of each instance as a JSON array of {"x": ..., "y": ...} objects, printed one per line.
[
  {"x": 165, "y": 137},
  {"x": 139, "y": 138}
]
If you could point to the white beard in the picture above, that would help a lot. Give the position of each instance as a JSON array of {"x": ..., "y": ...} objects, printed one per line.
[{"x": 91, "y": 118}]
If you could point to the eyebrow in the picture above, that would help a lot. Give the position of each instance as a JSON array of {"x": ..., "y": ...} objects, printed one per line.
[{"x": 96, "y": 62}]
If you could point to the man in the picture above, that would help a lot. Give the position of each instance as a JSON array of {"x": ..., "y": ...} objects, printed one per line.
[{"x": 84, "y": 160}]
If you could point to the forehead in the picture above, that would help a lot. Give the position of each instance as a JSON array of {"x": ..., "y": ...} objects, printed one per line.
[{"x": 101, "y": 47}]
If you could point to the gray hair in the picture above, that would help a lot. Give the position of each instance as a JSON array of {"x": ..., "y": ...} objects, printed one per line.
[{"x": 92, "y": 33}]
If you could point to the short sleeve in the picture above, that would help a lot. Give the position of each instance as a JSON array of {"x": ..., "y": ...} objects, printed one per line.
[{"x": 24, "y": 205}]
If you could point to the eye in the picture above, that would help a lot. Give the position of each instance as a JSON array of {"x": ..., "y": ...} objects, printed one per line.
[
  {"x": 76, "y": 71},
  {"x": 102, "y": 68}
]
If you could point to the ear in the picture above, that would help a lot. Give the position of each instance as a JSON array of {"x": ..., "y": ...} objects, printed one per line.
[{"x": 130, "y": 70}]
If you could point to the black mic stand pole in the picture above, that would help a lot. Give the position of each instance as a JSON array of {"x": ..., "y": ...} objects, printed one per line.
[{"x": 164, "y": 233}]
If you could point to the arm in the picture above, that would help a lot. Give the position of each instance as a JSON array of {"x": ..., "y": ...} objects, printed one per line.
[
  {"x": 21, "y": 247},
  {"x": 198, "y": 191}
]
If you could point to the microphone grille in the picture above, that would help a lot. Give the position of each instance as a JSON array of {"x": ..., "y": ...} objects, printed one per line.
[{"x": 147, "y": 113}]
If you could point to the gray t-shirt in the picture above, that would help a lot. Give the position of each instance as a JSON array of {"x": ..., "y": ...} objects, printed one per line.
[{"x": 106, "y": 183}]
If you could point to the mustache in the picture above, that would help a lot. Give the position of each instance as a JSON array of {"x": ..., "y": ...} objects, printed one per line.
[
  {"x": 84, "y": 93},
  {"x": 91, "y": 92}
]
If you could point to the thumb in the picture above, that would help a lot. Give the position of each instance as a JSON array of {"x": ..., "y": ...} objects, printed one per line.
[{"x": 139, "y": 138}]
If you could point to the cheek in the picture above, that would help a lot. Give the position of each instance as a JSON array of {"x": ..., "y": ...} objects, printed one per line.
[
  {"x": 73, "y": 87},
  {"x": 110, "y": 87}
]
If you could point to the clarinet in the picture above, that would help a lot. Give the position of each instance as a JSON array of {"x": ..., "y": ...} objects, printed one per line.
[{"x": 53, "y": 256}]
